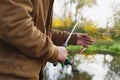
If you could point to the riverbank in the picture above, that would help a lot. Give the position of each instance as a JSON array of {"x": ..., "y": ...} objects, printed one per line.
[{"x": 112, "y": 48}]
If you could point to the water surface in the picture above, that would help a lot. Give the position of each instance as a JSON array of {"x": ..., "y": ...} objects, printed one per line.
[{"x": 87, "y": 67}]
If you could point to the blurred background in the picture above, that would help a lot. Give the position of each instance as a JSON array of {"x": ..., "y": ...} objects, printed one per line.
[{"x": 101, "y": 20}]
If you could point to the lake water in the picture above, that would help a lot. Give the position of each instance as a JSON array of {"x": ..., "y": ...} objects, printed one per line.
[{"x": 87, "y": 67}]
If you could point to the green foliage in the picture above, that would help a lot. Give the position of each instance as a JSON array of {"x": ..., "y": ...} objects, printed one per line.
[{"x": 98, "y": 47}]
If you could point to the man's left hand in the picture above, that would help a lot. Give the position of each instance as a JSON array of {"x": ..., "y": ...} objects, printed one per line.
[{"x": 84, "y": 39}]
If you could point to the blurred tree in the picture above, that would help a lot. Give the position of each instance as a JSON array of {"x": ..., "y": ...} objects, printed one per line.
[
  {"x": 107, "y": 33},
  {"x": 58, "y": 22},
  {"x": 91, "y": 29},
  {"x": 68, "y": 21},
  {"x": 101, "y": 31},
  {"x": 80, "y": 4},
  {"x": 116, "y": 16}
]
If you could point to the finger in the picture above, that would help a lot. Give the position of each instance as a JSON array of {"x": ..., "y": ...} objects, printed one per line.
[
  {"x": 85, "y": 37},
  {"x": 88, "y": 43},
  {"x": 83, "y": 49},
  {"x": 88, "y": 39},
  {"x": 82, "y": 44},
  {"x": 85, "y": 41}
]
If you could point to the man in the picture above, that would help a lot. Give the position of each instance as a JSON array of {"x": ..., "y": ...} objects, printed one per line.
[{"x": 27, "y": 39}]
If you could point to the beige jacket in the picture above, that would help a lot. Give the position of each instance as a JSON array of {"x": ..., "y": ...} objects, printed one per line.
[{"x": 26, "y": 38}]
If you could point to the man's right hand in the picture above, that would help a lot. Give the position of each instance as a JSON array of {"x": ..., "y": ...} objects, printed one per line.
[{"x": 62, "y": 53}]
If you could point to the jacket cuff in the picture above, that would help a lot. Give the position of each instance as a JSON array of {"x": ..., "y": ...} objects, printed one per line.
[
  {"x": 53, "y": 58},
  {"x": 73, "y": 39}
]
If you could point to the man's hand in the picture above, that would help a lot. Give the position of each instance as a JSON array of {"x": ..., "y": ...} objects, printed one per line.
[
  {"x": 62, "y": 53},
  {"x": 84, "y": 40}
]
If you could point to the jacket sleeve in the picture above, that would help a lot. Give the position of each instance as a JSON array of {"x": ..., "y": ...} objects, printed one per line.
[
  {"x": 59, "y": 37},
  {"x": 18, "y": 30}
]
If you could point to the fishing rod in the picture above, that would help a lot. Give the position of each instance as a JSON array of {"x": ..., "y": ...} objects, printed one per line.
[{"x": 69, "y": 58}]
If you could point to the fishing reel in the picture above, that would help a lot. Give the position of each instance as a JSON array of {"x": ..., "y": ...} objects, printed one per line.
[{"x": 68, "y": 61}]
